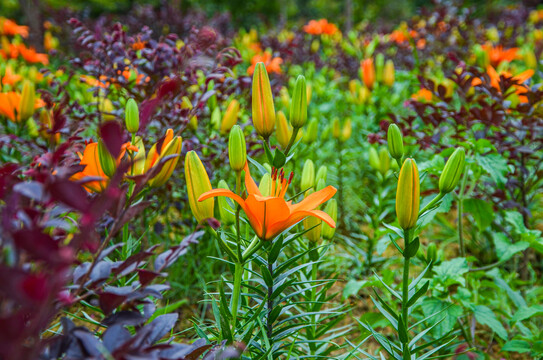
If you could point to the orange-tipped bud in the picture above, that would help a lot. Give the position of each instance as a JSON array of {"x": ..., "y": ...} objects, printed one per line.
[
  {"x": 262, "y": 100},
  {"x": 284, "y": 132},
  {"x": 230, "y": 117},
  {"x": 170, "y": 146},
  {"x": 28, "y": 98},
  {"x": 197, "y": 184},
  {"x": 368, "y": 72},
  {"x": 388, "y": 73},
  {"x": 408, "y": 195}
]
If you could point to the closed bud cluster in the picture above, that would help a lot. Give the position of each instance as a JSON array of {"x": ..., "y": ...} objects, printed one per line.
[
  {"x": 395, "y": 142},
  {"x": 262, "y": 101},
  {"x": 346, "y": 131},
  {"x": 197, "y": 184},
  {"x": 408, "y": 195},
  {"x": 298, "y": 106},
  {"x": 132, "y": 116},
  {"x": 237, "y": 150},
  {"x": 452, "y": 171}
]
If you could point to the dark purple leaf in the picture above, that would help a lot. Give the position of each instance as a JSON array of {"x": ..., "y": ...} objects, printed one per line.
[
  {"x": 110, "y": 301},
  {"x": 115, "y": 336},
  {"x": 111, "y": 135}
]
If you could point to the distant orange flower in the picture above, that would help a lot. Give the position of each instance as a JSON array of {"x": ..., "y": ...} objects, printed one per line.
[
  {"x": 498, "y": 54},
  {"x": 422, "y": 95},
  {"x": 368, "y": 72},
  {"x": 10, "y": 27},
  {"x": 494, "y": 76},
  {"x": 318, "y": 27},
  {"x": 271, "y": 215},
  {"x": 139, "y": 45},
  {"x": 273, "y": 65},
  {"x": 399, "y": 37},
  {"x": 421, "y": 44},
  {"x": 32, "y": 56},
  {"x": 10, "y": 104},
  {"x": 10, "y": 78}
]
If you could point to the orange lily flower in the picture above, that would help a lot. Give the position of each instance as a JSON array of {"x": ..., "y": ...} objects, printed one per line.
[
  {"x": 10, "y": 78},
  {"x": 318, "y": 27},
  {"x": 368, "y": 72},
  {"x": 271, "y": 215},
  {"x": 422, "y": 95},
  {"x": 32, "y": 56},
  {"x": 495, "y": 80},
  {"x": 10, "y": 103},
  {"x": 273, "y": 65},
  {"x": 498, "y": 54},
  {"x": 10, "y": 27},
  {"x": 90, "y": 158}
]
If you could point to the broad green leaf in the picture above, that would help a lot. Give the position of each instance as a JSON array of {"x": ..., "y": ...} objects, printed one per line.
[
  {"x": 485, "y": 316},
  {"x": 451, "y": 272},
  {"x": 481, "y": 211},
  {"x": 528, "y": 312},
  {"x": 519, "y": 346},
  {"x": 448, "y": 311},
  {"x": 353, "y": 287},
  {"x": 505, "y": 249},
  {"x": 495, "y": 166}
]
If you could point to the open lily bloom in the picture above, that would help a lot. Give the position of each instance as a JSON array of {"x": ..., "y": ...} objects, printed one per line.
[{"x": 271, "y": 215}]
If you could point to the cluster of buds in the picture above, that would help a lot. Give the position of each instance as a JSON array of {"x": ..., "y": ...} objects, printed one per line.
[
  {"x": 380, "y": 72},
  {"x": 342, "y": 132},
  {"x": 379, "y": 160}
]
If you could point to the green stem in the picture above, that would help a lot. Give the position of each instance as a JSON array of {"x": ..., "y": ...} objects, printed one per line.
[
  {"x": 432, "y": 203},
  {"x": 313, "y": 256},
  {"x": 292, "y": 140},
  {"x": 461, "y": 213},
  {"x": 405, "y": 296},
  {"x": 238, "y": 276}
]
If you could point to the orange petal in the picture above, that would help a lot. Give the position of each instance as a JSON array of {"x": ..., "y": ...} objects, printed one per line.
[
  {"x": 223, "y": 192},
  {"x": 314, "y": 200},
  {"x": 523, "y": 76},
  {"x": 269, "y": 211},
  {"x": 297, "y": 217},
  {"x": 250, "y": 184}
]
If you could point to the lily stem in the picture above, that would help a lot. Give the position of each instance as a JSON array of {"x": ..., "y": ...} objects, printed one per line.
[
  {"x": 292, "y": 140},
  {"x": 461, "y": 196},
  {"x": 405, "y": 296},
  {"x": 239, "y": 266}
]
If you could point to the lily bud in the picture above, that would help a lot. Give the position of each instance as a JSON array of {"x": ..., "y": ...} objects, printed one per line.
[
  {"x": 384, "y": 161},
  {"x": 452, "y": 171},
  {"x": 237, "y": 150},
  {"x": 285, "y": 97},
  {"x": 368, "y": 72},
  {"x": 336, "y": 129},
  {"x": 322, "y": 173},
  {"x": 216, "y": 118},
  {"x": 395, "y": 141},
  {"x": 107, "y": 162},
  {"x": 283, "y": 132},
  {"x": 173, "y": 147},
  {"x": 374, "y": 159},
  {"x": 265, "y": 185},
  {"x": 312, "y": 131},
  {"x": 298, "y": 106},
  {"x": 309, "y": 92},
  {"x": 346, "y": 131},
  {"x": 28, "y": 98},
  {"x": 363, "y": 94},
  {"x": 138, "y": 167},
  {"x": 230, "y": 117},
  {"x": 262, "y": 100},
  {"x": 331, "y": 209},
  {"x": 408, "y": 195},
  {"x": 132, "y": 116},
  {"x": 313, "y": 223},
  {"x": 353, "y": 86},
  {"x": 388, "y": 73},
  {"x": 308, "y": 175},
  {"x": 431, "y": 253},
  {"x": 32, "y": 127},
  {"x": 226, "y": 212},
  {"x": 379, "y": 67},
  {"x": 197, "y": 184}
]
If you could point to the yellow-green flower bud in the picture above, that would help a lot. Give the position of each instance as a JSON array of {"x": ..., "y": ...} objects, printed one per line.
[
  {"x": 388, "y": 73},
  {"x": 298, "y": 106},
  {"x": 320, "y": 184},
  {"x": 28, "y": 98},
  {"x": 322, "y": 173},
  {"x": 431, "y": 253},
  {"x": 452, "y": 171},
  {"x": 308, "y": 175},
  {"x": 237, "y": 151},
  {"x": 395, "y": 141},
  {"x": 336, "y": 128},
  {"x": 379, "y": 66},
  {"x": 313, "y": 223},
  {"x": 262, "y": 100},
  {"x": 138, "y": 167},
  {"x": 172, "y": 148},
  {"x": 132, "y": 116},
  {"x": 285, "y": 98},
  {"x": 107, "y": 162},
  {"x": 265, "y": 185},
  {"x": 384, "y": 161},
  {"x": 408, "y": 195},
  {"x": 197, "y": 184},
  {"x": 346, "y": 131},
  {"x": 311, "y": 131},
  {"x": 283, "y": 132},
  {"x": 331, "y": 209},
  {"x": 216, "y": 118},
  {"x": 32, "y": 127},
  {"x": 226, "y": 212},
  {"x": 230, "y": 117},
  {"x": 363, "y": 94},
  {"x": 374, "y": 158},
  {"x": 353, "y": 87}
]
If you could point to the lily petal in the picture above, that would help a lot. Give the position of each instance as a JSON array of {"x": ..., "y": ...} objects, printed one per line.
[
  {"x": 296, "y": 218},
  {"x": 250, "y": 184},
  {"x": 314, "y": 200},
  {"x": 223, "y": 192}
]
